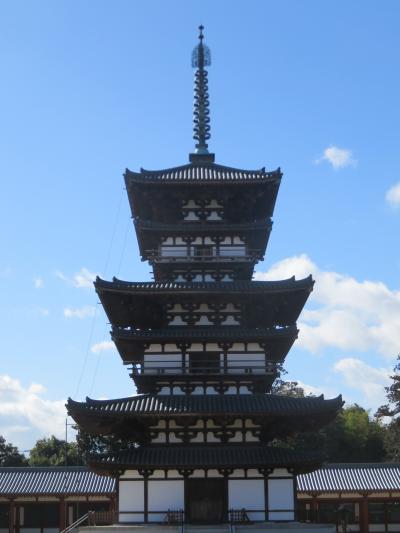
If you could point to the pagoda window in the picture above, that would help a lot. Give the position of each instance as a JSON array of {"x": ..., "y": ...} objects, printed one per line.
[
  {"x": 203, "y": 251},
  {"x": 204, "y": 363},
  {"x": 157, "y": 364},
  {"x": 173, "y": 251},
  {"x": 232, "y": 251},
  {"x": 249, "y": 363}
]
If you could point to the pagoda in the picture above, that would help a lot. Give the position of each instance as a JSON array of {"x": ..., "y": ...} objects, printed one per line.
[{"x": 205, "y": 344}]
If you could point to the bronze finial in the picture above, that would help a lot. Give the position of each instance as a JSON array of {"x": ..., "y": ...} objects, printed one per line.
[{"x": 201, "y": 58}]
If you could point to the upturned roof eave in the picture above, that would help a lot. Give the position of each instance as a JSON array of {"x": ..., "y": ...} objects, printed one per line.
[
  {"x": 208, "y": 457},
  {"x": 185, "y": 174},
  {"x": 287, "y": 285},
  {"x": 98, "y": 408}
]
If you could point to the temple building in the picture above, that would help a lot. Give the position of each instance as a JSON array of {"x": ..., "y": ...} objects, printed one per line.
[{"x": 205, "y": 344}]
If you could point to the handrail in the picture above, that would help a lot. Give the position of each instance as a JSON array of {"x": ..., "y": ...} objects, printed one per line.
[
  {"x": 204, "y": 259},
  {"x": 249, "y": 255},
  {"x": 79, "y": 521},
  {"x": 206, "y": 367}
]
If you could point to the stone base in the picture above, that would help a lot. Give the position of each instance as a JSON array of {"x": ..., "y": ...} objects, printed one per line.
[{"x": 260, "y": 527}]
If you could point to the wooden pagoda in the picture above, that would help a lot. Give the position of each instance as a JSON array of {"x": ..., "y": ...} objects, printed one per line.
[{"x": 205, "y": 344}]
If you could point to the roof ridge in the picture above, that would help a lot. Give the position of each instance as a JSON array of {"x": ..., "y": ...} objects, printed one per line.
[
  {"x": 48, "y": 468},
  {"x": 211, "y": 398},
  {"x": 361, "y": 465},
  {"x": 206, "y": 284},
  {"x": 216, "y": 166}
]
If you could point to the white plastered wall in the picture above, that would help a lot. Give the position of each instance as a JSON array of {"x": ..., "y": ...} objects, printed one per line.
[
  {"x": 280, "y": 498},
  {"x": 247, "y": 494},
  {"x": 163, "y": 496},
  {"x": 131, "y": 500}
]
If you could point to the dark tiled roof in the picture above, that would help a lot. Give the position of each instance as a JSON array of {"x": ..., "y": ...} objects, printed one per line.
[
  {"x": 290, "y": 284},
  {"x": 53, "y": 480},
  {"x": 205, "y": 333},
  {"x": 352, "y": 477},
  {"x": 206, "y": 456},
  {"x": 211, "y": 173},
  {"x": 263, "y": 404}
]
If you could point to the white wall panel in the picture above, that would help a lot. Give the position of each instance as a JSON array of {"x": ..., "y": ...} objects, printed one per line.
[
  {"x": 247, "y": 494},
  {"x": 280, "y": 498},
  {"x": 131, "y": 498},
  {"x": 164, "y": 496}
]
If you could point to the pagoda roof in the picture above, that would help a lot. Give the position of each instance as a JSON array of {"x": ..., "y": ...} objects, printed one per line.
[
  {"x": 130, "y": 342},
  {"x": 159, "y": 194},
  {"x": 206, "y": 405},
  {"x": 144, "y": 304},
  {"x": 131, "y": 418},
  {"x": 210, "y": 457},
  {"x": 196, "y": 174},
  {"x": 286, "y": 285}
]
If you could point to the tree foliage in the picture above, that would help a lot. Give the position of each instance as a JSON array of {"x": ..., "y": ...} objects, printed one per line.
[
  {"x": 352, "y": 437},
  {"x": 54, "y": 452},
  {"x": 89, "y": 444},
  {"x": 9, "y": 454},
  {"x": 392, "y": 410}
]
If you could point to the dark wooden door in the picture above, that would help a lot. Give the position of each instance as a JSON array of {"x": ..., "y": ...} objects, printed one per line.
[{"x": 206, "y": 501}]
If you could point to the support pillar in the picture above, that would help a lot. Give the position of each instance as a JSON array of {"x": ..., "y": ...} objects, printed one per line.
[
  {"x": 62, "y": 521},
  {"x": 364, "y": 520},
  {"x": 11, "y": 516},
  {"x": 314, "y": 509}
]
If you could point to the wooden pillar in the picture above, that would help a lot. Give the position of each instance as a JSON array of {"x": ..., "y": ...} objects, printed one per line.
[
  {"x": 146, "y": 499},
  {"x": 113, "y": 509},
  {"x": 62, "y": 521},
  {"x": 11, "y": 516},
  {"x": 364, "y": 520},
  {"x": 314, "y": 509}
]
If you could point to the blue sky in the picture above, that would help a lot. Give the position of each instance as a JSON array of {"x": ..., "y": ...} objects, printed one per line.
[{"x": 90, "y": 88}]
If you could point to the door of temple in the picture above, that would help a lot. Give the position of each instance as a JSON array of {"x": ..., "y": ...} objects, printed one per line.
[{"x": 206, "y": 501}]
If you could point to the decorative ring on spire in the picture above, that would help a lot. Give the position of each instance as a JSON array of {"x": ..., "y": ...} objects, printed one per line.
[{"x": 201, "y": 57}]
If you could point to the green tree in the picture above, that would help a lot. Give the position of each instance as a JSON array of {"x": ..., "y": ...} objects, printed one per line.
[
  {"x": 9, "y": 454},
  {"x": 392, "y": 410},
  {"x": 352, "y": 437},
  {"x": 52, "y": 451},
  {"x": 287, "y": 388}
]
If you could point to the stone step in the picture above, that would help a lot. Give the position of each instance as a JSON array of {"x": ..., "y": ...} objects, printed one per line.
[{"x": 261, "y": 527}]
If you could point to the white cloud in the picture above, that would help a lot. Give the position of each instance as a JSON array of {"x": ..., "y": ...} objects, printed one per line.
[
  {"x": 393, "y": 195},
  {"x": 310, "y": 389},
  {"x": 337, "y": 157},
  {"x": 61, "y": 276},
  {"x": 38, "y": 283},
  {"x": 360, "y": 376},
  {"x": 43, "y": 311},
  {"x": 346, "y": 314},
  {"x": 82, "y": 279},
  {"x": 82, "y": 312},
  {"x": 102, "y": 347},
  {"x": 23, "y": 410}
]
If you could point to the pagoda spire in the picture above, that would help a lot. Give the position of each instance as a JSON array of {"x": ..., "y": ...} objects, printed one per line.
[{"x": 201, "y": 58}]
